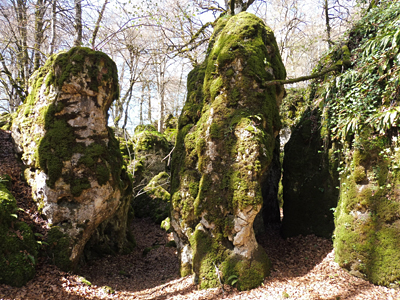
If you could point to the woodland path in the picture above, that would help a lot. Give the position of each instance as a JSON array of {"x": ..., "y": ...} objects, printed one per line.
[{"x": 303, "y": 267}]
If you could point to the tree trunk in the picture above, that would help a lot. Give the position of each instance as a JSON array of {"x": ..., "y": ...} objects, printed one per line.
[
  {"x": 141, "y": 104},
  {"x": 96, "y": 28},
  {"x": 23, "y": 63},
  {"x": 237, "y": 6},
  {"x": 53, "y": 26},
  {"x": 39, "y": 14},
  {"x": 78, "y": 23},
  {"x": 327, "y": 23},
  {"x": 149, "y": 101}
]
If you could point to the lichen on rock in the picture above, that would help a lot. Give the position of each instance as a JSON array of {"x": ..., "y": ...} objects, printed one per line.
[
  {"x": 224, "y": 146},
  {"x": 73, "y": 161}
]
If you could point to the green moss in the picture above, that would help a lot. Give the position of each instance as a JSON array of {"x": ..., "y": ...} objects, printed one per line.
[
  {"x": 367, "y": 232},
  {"x": 359, "y": 174},
  {"x": 8, "y": 205},
  {"x": 18, "y": 248},
  {"x": 249, "y": 274},
  {"x": 147, "y": 127},
  {"x": 17, "y": 254},
  {"x": 185, "y": 270},
  {"x": 59, "y": 142},
  {"x": 166, "y": 224},
  {"x": 59, "y": 248},
  {"x": 226, "y": 136},
  {"x": 72, "y": 63},
  {"x": 55, "y": 148}
]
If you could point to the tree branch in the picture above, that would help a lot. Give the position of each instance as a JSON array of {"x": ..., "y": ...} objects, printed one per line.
[{"x": 304, "y": 78}]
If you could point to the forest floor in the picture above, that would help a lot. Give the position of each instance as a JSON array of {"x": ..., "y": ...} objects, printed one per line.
[{"x": 302, "y": 267}]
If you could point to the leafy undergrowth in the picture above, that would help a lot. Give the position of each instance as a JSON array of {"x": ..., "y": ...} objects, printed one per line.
[{"x": 303, "y": 267}]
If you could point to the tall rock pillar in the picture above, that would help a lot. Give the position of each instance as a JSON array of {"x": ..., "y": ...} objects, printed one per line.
[
  {"x": 73, "y": 161},
  {"x": 225, "y": 143}
]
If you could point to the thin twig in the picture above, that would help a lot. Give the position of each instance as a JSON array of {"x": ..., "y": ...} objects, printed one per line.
[
  {"x": 219, "y": 278},
  {"x": 169, "y": 156}
]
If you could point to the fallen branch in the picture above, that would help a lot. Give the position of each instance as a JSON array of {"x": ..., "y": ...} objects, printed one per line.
[
  {"x": 304, "y": 78},
  {"x": 169, "y": 156}
]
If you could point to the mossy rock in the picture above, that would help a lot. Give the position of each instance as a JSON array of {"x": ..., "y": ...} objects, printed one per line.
[
  {"x": 310, "y": 179},
  {"x": 367, "y": 218},
  {"x": 154, "y": 201},
  {"x": 73, "y": 159},
  {"x": 18, "y": 247},
  {"x": 146, "y": 127},
  {"x": 145, "y": 153},
  {"x": 293, "y": 106},
  {"x": 224, "y": 147},
  {"x": 59, "y": 248}
]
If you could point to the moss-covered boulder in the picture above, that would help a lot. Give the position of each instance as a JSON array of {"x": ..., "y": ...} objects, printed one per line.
[
  {"x": 224, "y": 147},
  {"x": 310, "y": 179},
  {"x": 147, "y": 150},
  {"x": 18, "y": 247},
  {"x": 153, "y": 201},
  {"x": 73, "y": 160},
  {"x": 367, "y": 233}
]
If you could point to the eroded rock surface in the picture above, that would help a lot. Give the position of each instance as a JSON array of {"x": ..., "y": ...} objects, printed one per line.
[
  {"x": 367, "y": 218},
  {"x": 73, "y": 160},
  {"x": 225, "y": 143}
]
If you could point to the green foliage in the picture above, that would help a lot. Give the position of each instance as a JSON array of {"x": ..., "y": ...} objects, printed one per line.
[
  {"x": 108, "y": 290},
  {"x": 370, "y": 89},
  {"x": 147, "y": 127},
  {"x": 85, "y": 281}
]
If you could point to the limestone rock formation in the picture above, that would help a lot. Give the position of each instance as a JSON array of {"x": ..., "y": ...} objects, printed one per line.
[
  {"x": 310, "y": 179},
  {"x": 145, "y": 153},
  {"x": 18, "y": 248},
  {"x": 153, "y": 201},
  {"x": 367, "y": 218},
  {"x": 224, "y": 147},
  {"x": 73, "y": 160}
]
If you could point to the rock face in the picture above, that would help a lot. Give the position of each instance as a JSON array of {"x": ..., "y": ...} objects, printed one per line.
[
  {"x": 225, "y": 143},
  {"x": 18, "y": 251},
  {"x": 367, "y": 219},
  {"x": 145, "y": 154},
  {"x": 154, "y": 200},
  {"x": 73, "y": 160},
  {"x": 310, "y": 179}
]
